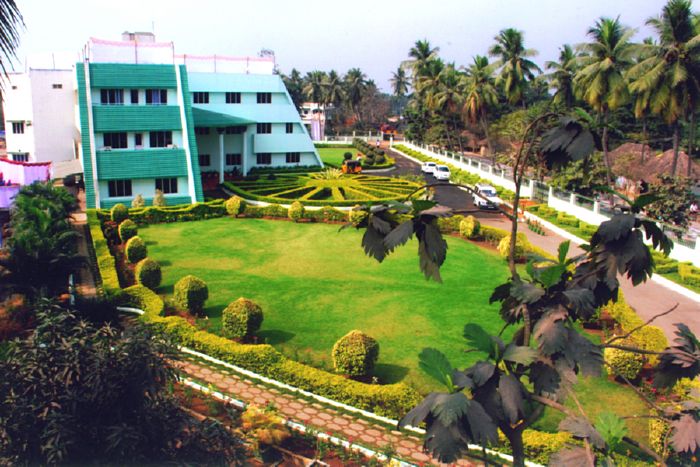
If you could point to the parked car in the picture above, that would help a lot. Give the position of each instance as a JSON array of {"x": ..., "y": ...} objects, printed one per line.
[
  {"x": 442, "y": 172},
  {"x": 488, "y": 199},
  {"x": 428, "y": 167}
]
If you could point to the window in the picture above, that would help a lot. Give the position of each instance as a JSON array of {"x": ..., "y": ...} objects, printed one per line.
[
  {"x": 119, "y": 188},
  {"x": 161, "y": 139},
  {"x": 134, "y": 96},
  {"x": 293, "y": 158},
  {"x": 200, "y": 97},
  {"x": 156, "y": 96},
  {"x": 204, "y": 160},
  {"x": 264, "y": 98},
  {"x": 201, "y": 130},
  {"x": 115, "y": 140},
  {"x": 289, "y": 127},
  {"x": 17, "y": 128},
  {"x": 166, "y": 185},
  {"x": 20, "y": 157},
  {"x": 233, "y": 97},
  {"x": 138, "y": 139},
  {"x": 264, "y": 128},
  {"x": 112, "y": 96},
  {"x": 235, "y": 130},
  {"x": 233, "y": 159},
  {"x": 57, "y": 86},
  {"x": 264, "y": 158}
]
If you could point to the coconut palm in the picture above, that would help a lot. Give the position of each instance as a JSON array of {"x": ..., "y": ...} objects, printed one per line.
[
  {"x": 562, "y": 76},
  {"x": 480, "y": 94},
  {"x": 333, "y": 89},
  {"x": 355, "y": 85},
  {"x": 601, "y": 80},
  {"x": 516, "y": 69},
  {"x": 671, "y": 74},
  {"x": 294, "y": 84},
  {"x": 446, "y": 99},
  {"x": 420, "y": 54},
  {"x": 399, "y": 82},
  {"x": 313, "y": 86},
  {"x": 10, "y": 23}
]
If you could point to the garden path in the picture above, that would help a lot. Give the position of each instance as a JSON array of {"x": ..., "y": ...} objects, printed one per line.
[{"x": 314, "y": 415}]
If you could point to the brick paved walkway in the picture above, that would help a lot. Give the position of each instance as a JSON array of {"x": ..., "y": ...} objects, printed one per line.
[{"x": 315, "y": 415}]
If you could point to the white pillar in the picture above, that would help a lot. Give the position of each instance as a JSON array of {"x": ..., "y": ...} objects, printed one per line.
[
  {"x": 572, "y": 198},
  {"x": 244, "y": 156},
  {"x": 391, "y": 142},
  {"x": 532, "y": 187},
  {"x": 222, "y": 157},
  {"x": 596, "y": 207}
]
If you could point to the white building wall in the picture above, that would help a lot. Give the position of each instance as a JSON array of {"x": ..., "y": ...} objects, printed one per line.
[{"x": 17, "y": 107}]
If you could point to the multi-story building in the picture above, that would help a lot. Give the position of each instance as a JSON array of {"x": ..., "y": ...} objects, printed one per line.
[{"x": 153, "y": 120}]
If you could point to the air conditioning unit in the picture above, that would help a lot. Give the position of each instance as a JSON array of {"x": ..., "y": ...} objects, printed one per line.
[
  {"x": 172, "y": 146},
  {"x": 29, "y": 123},
  {"x": 107, "y": 148}
]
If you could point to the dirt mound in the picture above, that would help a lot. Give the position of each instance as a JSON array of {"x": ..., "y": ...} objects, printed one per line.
[{"x": 627, "y": 161}]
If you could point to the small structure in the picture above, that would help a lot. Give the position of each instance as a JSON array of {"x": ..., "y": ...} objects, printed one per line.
[{"x": 15, "y": 174}]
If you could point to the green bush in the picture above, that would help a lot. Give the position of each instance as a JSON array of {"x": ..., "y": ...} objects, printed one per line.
[
  {"x": 275, "y": 210},
  {"x": 296, "y": 211},
  {"x": 449, "y": 224},
  {"x": 119, "y": 213},
  {"x": 347, "y": 156},
  {"x": 539, "y": 445},
  {"x": 659, "y": 432},
  {"x": 355, "y": 354},
  {"x": 159, "y": 199},
  {"x": 492, "y": 235},
  {"x": 355, "y": 216},
  {"x": 235, "y": 205},
  {"x": 190, "y": 294},
  {"x": 148, "y": 273},
  {"x": 521, "y": 246},
  {"x": 326, "y": 214},
  {"x": 622, "y": 362},
  {"x": 106, "y": 265},
  {"x": 241, "y": 319},
  {"x": 689, "y": 274},
  {"x": 469, "y": 227},
  {"x": 138, "y": 202},
  {"x": 178, "y": 213},
  {"x": 566, "y": 219},
  {"x": 587, "y": 229},
  {"x": 254, "y": 212},
  {"x": 136, "y": 249},
  {"x": 127, "y": 229}
]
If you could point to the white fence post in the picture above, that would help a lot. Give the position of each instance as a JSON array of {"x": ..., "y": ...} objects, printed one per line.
[
  {"x": 572, "y": 198},
  {"x": 596, "y": 207}
]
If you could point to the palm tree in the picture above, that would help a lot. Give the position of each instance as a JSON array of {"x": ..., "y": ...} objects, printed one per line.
[
  {"x": 294, "y": 84},
  {"x": 480, "y": 94},
  {"x": 516, "y": 69},
  {"x": 399, "y": 82},
  {"x": 447, "y": 99},
  {"x": 671, "y": 74},
  {"x": 355, "y": 85},
  {"x": 313, "y": 86},
  {"x": 420, "y": 54},
  {"x": 10, "y": 23},
  {"x": 333, "y": 89},
  {"x": 562, "y": 76},
  {"x": 601, "y": 82}
]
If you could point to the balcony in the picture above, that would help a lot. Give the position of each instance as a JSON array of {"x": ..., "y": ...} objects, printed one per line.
[
  {"x": 136, "y": 118},
  {"x": 119, "y": 164}
]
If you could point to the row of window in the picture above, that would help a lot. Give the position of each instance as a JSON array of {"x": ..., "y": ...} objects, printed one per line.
[
  {"x": 262, "y": 158},
  {"x": 200, "y": 97},
  {"x": 118, "y": 188},
  {"x": 266, "y": 128},
  {"x": 116, "y": 96},
  {"x": 118, "y": 140},
  {"x": 229, "y": 130}
]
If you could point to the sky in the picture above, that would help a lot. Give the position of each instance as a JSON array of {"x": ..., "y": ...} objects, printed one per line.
[{"x": 323, "y": 35}]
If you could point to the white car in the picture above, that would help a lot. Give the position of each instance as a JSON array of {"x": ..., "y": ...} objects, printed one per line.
[
  {"x": 428, "y": 167},
  {"x": 488, "y": 199},
  {"x": 442, "y": 172}
]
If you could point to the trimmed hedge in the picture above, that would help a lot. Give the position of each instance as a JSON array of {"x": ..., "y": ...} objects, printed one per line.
[
  {"x": 622, "y": 362},
  {"x": 355, "y": 354},
  {"x": 539, "y": 445},
  {"x": 148, "y": 273},
  {"x": 106, "y": 264},
  {"x": 119, "y": 213},
  {"x": 296, "y": 211},
  {"x": 179, "y": 213},
  {"x": 356, "y": 216},
  {"x": 190, "y": 294},
  {"x": 449, "y": 224},
  {"x": 241, "y": 318},
  {"x": 689, "y": 274},
  {"x": 127, "y": 229},
  {"x": 135, "y": 249}
]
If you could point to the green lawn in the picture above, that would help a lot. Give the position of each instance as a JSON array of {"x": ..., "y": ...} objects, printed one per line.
[
  {"x": 334, "y": 156},
  {"x": 315, "y": 284}
]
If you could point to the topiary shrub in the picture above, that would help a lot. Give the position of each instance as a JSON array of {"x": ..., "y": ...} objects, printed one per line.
[
  {"x": 356, "y": 215},
  {"x": 138, "y": 202},
  {"x": 355, "y": 354},
  {"x": 136, "y": 249},
  {"x": 190, "y": 294},
  {"x": 521, "y": 244},
  {"x": 159, "y": 199},
  {"x": 235, "y": 206},
  {"x": 127, "y": 229},
  {"x": 296, "y": 211},
  {"x": 241, "y": 319},
  {"x": 624, "y": 363},
  {"x": 119, "y": 213},
  {"x": 148, "y": 273},
  {"x": 469, "y": 227},
  {"x": 347, "y": 156}
]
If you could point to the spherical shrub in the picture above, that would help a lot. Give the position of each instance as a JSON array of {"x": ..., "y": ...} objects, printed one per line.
[
  {"x": 190, "y": 294},
  {"x": 138, "y": 202},
  {"x": 347, "y": 156},
  {"x": 148, "y": 273},
  {"x": 127, "y": 229},
  {"x": 136, "y": 249},
  {"x": 355, "y": 354},
  {"x": 469, "y": 227},
  {"x": 119, "y": 212},
  {"x": 622, "y": 362},
  {"x": 380, "y": 159},
  {"x": 235, "y": 205},
  {"x": 296, "y": 211},
  {"x": 520, "y": 246},
  {"x": 241, "y": 318},
  {"x": 368, "y": 161}
]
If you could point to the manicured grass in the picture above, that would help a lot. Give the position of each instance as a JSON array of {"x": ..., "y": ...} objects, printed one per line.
[{"x": 334, "y": 156}]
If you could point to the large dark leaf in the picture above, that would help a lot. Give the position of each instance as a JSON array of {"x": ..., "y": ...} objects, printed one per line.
[
  {"x": 567, "y": 141},
  {"x": 686, "y": 434},
  {"x": 373, "y": 243},
  {"x": 545, "y": 379},
  {"x": 446, "y": 443},
  {"x": 570, "y": 457},
  {"x": 658, "y": 238},
  {"x": 511, "y": 392},
  {"x": 481, "y": 372},
  {"x": 483, "y": 429},
  {"x": 436, "y": 364},
  {"x": 420, "y": 413},
  {"x": 584, "y": 354},
  {"x": 526, "y": 292},
  {"x": 582, "y": 428},
  {"x": 614, "y": 229},
  {"x": 550, "y": 332},
  {"x": 448, "y": 408},
  {"x": 581, "y": 301},
  {"x": 420, "y": 205},
  {"x": 398, "y": 236},
  {"x": 680, "y": 361},
  {"x": 519, "y": 354},
  {"x": 479, "y": 339},
  {"x": 461, "y": 380}
]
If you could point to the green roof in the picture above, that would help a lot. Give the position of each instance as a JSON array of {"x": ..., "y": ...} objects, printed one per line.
[{"x": 207, "y": 118}]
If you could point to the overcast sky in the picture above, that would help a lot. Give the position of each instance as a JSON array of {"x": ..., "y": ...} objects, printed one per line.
[{"x": 314, "y": 34}]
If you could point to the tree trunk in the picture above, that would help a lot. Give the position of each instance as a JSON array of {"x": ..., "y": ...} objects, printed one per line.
[
  {"x": 515, "y": 438},
  {"x": 676, "y": 147},
  {"x": 485, "y": 126},
  {"x": 606, "y": 157},
  {"x": 447, "y": 134},
  {"x": 645, "y": 137},
  {"x": 691, "y": 144},
  {"x": 459, "y": 135}
]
